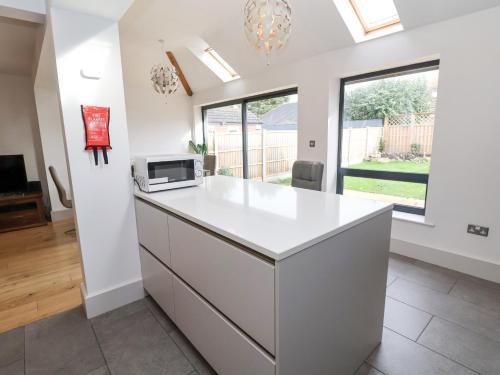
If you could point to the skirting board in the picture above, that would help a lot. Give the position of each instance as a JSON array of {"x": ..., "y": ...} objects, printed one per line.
[
  {"x": 106, "y": 300},
  {"x": 61, "y": 214},
  {"x": 470, "y": 266}
]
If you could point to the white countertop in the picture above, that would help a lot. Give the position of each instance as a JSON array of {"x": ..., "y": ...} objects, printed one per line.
[{"x": 274, "y": 220}]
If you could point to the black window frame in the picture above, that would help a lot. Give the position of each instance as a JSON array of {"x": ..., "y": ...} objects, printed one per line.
[
  {"x": 244, "y": 121},
  {"x": 421, "y": 178}
]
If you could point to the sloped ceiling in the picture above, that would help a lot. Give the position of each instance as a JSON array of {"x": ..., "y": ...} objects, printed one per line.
[{"x": 317, "y": 28}]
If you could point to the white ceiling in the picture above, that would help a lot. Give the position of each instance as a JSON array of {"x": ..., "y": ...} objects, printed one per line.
[
  {"x": 17, "y": 43},
  {"x": 317, "y": 28},
  {"x": 112, "y": 9}
]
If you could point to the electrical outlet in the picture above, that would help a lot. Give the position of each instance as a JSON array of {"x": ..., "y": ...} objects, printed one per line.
[
  {"x": 478, "y": 230},
  {"x": 312, "y": 144}
]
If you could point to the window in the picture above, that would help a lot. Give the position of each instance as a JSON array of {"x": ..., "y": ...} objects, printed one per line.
[
  {"x": 385, "y": 135},
  {"x": 368, "y": 19},
  {"x": 255, "y": 137},
  {"x": 212, "y": 60},
  {"x": 375, "y": 15},
  {"x": 219, "y": 66}
]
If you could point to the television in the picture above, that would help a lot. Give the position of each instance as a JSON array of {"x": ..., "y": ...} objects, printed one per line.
[{"x": 12, "y": 174}]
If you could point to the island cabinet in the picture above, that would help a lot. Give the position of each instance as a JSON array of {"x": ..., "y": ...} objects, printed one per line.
[{"x": 310, "y": 301}]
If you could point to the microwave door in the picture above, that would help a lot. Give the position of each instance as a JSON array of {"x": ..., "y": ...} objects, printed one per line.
[{"x": 171, "y": 171}]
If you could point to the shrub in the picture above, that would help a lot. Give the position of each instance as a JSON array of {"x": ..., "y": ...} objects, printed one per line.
[
  {"x": 381, "y": 146},
  {"x": 225, "y": 171},
  {"x": 415, "y": 148}
]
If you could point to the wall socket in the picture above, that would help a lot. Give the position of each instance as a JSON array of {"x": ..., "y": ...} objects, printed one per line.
[
  {"x": 478, "y": 230},
  {"x": 312, "y": 143}
]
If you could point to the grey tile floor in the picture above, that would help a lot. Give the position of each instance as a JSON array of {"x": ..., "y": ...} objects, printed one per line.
[{"x": 437, "y": 321}]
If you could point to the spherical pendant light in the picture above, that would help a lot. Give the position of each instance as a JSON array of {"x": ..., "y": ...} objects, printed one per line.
[
  {"x": 164, "y": 77},
  {"x": 268, "y": 24}
]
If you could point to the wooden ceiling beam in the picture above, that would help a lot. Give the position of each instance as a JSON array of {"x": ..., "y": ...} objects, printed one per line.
[{"x": 184, "y": 82}]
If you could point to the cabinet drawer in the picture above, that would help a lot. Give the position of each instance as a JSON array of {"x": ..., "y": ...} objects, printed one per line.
[
  {"x": 152, "y": 229},
  {"x": 237, "y": 283},
  {"x": 226, "y": 349},
  {"x": 157, "y": 280}
]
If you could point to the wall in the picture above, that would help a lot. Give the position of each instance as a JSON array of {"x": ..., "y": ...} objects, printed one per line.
[
  {"x": 18, "y": 122},
  {"x": 157, "y": 125},
  {"x": 102, "y": 195},
  {"x": 463, "y": 186},
  {"x": 50, "y": 125}
]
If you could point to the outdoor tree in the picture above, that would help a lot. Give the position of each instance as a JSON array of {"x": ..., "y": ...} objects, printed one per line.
[
  {"x": 386, "y": 98},
  {"x": 261, "y": 107}
]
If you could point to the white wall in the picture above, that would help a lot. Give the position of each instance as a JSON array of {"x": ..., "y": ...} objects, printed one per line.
[
  {"x": 18, "y": 123},
  {"x": 157, "y": 125},
  {"x": 464, "y": 184},
  {"x": 102, "y": 195},
  {"x": 50, "y": 125}
]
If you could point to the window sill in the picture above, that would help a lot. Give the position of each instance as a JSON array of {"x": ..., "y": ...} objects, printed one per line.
[{"x": 411, "y": 218}]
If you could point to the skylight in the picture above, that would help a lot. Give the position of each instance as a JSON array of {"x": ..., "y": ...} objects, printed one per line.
[
  {"x": 375, "y": 15},
  {"x": 208, "y": 56},
  {"x": 368, "y": 19},
  {"x": 218, "y": 65}
]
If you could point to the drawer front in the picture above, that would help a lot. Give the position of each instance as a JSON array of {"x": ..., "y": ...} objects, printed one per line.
[
  {"x": 237, "y": 283},
  {"x": 152, "y": 229},
  {"x": 158, "y": 281},
  {"x": 227, "y": 350}
]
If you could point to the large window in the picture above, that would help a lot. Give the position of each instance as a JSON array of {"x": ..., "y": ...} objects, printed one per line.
[
  {"x": 254, "y": 137},
  {"x": 386, "y": 134}
]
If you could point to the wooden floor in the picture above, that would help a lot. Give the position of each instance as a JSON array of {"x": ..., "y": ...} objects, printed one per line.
[{"x": 40, "y": 274}]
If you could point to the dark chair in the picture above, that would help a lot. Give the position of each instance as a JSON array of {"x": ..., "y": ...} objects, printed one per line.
[
  {"x": 307, "y": 174},
  {"x": 61, "y": 191},
  {"x": 209, "y": 165}
]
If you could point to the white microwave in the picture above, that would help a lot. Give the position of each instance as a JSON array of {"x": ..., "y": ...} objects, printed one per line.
[{"x": 163, "y": 172}]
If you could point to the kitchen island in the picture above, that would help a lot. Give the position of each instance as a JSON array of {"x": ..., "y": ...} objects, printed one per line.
[{"x": 266, "y": 279}]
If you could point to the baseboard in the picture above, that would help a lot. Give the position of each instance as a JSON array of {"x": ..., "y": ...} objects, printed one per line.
[
  {"x": 471, "y": 266},
  {"x": 106, "y": 300},
  {"x": 61, "y": 214}
]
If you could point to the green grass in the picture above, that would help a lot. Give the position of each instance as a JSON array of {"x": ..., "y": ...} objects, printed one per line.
[
  {"x": 394, "y": 166},
  {"x": 282, "y": 181},
  {"x": 393, "y": 188},
  {"x": 385, "y": 187}
]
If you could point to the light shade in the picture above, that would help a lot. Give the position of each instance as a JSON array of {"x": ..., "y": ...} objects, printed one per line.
[{"x": 268, "y": 24}]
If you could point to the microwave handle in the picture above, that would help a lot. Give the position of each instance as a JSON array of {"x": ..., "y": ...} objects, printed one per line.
[{"x": 156, "y": 181}]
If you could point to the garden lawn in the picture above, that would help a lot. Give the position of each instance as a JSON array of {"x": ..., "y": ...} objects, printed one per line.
[
  {"x": 385, "y": 187},
  {"x": 282, "y": 181}
]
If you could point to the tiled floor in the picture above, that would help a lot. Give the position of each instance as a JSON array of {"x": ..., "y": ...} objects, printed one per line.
[{"x": 437, "y": 321}]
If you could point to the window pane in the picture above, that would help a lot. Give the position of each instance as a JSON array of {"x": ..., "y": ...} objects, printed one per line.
[
  {"x": 272, "y": 138},
  {"x": 376, "y": 14},
  {"x": 388, "y": 123},
  {"x": 398, "y": 192},
  {"x": 223, "y": 128}
]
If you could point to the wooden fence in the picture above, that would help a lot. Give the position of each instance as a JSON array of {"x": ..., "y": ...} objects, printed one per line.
[
  {"x": 273, "y": 160},
  {"x": 400, "y": 134},
  {"x": 405, "y": 132}
]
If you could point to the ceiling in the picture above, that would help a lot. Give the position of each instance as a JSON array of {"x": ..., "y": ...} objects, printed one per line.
[
  {"x": 317, "y": 28},
  {"x": 112, "y": 9},
  {"x": 17, "y": 43}
]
